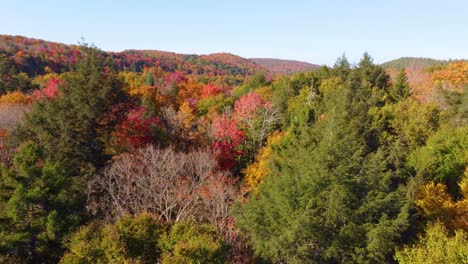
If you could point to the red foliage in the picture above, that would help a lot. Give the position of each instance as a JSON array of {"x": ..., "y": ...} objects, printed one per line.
[
  {"x": 227, "y": 140},
  {"x": 136, "y": 131},
  {"x": 210, "y": 90},
  {"x": 49, "y": 92},
  {"x": 248, "y": 104},
  {"x": 175, "y": 77}
]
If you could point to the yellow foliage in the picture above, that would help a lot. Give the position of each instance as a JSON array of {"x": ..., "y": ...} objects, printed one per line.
[
  {"x": 133, "y": 80},
  {"x": 455, "y": 74},
  {"x": 15, "y": 98},
  {"x": 436, "y": 204},
  {"x": 436, "y": 247},
  {"x": 256, "y": 172},
  {"x": 186, "y": 115},
  {"x": 330, "y": 85},
  {"x": 264, "y": 92},
  {"x": 189, "y": 89}
]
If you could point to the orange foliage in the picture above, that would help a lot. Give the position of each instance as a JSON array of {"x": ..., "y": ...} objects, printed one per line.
[
  {"x": 15, "y": 98},
  {"x": 455, "y": 75},
  {"x": 189, "y": 91},
  {"x": 436, "y": 204}
]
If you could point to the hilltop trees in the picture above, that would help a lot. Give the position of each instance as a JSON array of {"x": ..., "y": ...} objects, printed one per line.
[{"x": 331, "y": 196}]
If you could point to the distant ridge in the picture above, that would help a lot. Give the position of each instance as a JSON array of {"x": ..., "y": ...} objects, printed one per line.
[
  {"x": 284, "y": 66},
  {"x": 413, "y": 62},
  {"x": 36, "y": 57}
]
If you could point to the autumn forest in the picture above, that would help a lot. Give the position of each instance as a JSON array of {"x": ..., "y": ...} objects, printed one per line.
[{"x": 146, "y": 156}]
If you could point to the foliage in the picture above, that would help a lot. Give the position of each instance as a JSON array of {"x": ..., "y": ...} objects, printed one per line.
[
  {"x": 227, "y": 139},
  {"x": 17, "y": 98},
  {"x": 400, "y": 89},
  {"x": 39, "y": 205},
  {"x": 444, "y": 158},
  {"x": 455, "y": 74},
  {"x": 136, "y": 130},
  {"x": 255, "y": 173},
  {"x": 129, "y": 240},
  {"x": 436, "y": 204},
  {"x": 437, "y": 246},
  {"x": 406, "y": 62},
  {"x": 76, "y": 126},
  {"x": 189, "y": 242},
  {"x": 330, "y": 196},
  {"x": 50, "y": 91}
]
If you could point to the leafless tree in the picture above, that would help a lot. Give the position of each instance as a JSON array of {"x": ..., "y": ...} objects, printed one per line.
[
  {"x": 172, "y": 185},
  {"x": 11, "y": 115}
]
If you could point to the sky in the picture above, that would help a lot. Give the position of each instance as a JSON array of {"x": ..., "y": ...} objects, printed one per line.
[{"x": 316, "y": 31}]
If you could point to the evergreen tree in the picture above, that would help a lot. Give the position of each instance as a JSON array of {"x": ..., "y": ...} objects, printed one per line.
[
  {"x": 400, "y": 89},
  {"x": 331, "y": 196},
  {"x": 43, "y": 195},
  {"x": 38, "y": 206},
  {"x": 74, "y": 128}
]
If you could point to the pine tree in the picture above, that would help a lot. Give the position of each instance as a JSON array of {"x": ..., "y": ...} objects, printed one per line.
[
  {"x": 400, "y": 89},
  {"x": 39, "y": 205},
  {"x": 74, "y": 128},
  {"x": 43, "y": 195},
  {"x": 330, "y": 196}
]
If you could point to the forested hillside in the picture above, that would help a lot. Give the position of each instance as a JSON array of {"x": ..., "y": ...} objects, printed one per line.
[
  {"x": 157, "y": 157},
  {"x": 37, "y": 57},
  {"x": 285, "y": 66},
  {"x": 411, "y": 62}
]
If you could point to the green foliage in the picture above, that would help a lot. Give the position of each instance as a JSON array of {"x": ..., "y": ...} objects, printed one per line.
[
  {"x": 437, "y": 246},
  {"x": 400, "y": 89},
  {"x": 193, "y": 243},
  {"x": 282, "y": 92},
  {"x": 39, "y": 206},
  {"x": 406, "y": 62},
  {"x": 10, "y": 80},
  {"x": 257, "y": 80},
  {"x": 43, "y": 194},
  {"x": 444, "y": 158},
  {"x": 455, "y": 104},
  {"x": 140, "y": 236},
  {"x": 95, "y": 243},
  {"x": 73, "y": 129},
  {"x": 214, "y": 104},
  {"x": 408, "y": 122},
  {"x": 331, "y": 195},
  {"x": 129, "y": 240}
]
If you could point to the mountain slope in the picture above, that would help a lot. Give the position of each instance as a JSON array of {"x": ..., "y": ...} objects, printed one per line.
[
  {"x": 284, "y": 66},
  {"x": 35, "y": 57},
  {"x": 413, "y": 62}
]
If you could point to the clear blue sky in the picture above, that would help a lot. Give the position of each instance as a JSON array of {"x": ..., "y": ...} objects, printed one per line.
[{"x": 316, "y": 31}]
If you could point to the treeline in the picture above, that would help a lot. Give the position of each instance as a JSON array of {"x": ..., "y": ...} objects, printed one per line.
[
  {"x": 339, "y": 165},
  {"x": 37, "y": 57}
]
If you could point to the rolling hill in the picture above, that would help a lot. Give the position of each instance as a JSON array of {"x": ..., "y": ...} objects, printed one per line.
[
  {"x": 36, "y": 56},
  {"x": 284, "y": 66}
]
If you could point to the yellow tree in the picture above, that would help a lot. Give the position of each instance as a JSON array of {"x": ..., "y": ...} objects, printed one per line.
[
  {"x": 436, "y": 204},
  {"x": 255, "y": 173},
  {"x": 455, "y": 75},
  {"x": 436, "y": 247}
]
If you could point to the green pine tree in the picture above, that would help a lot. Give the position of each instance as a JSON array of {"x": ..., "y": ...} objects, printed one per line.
[
  {"x": 331, "y": 195},
  {"x": 400, "y": 89},
  {"x": 38, "y": 206}
]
